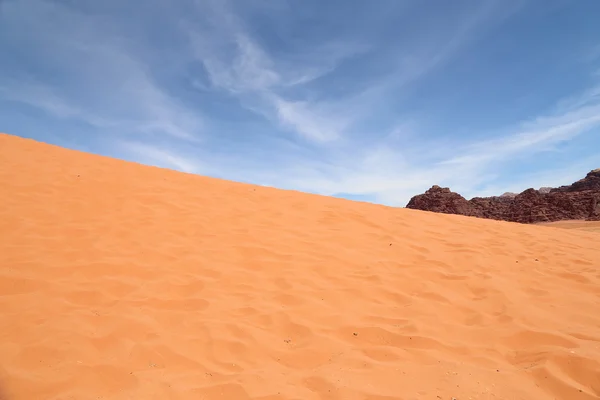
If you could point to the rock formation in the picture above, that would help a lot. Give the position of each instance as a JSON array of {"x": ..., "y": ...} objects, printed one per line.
[
  {"x": 581, "y": 200},
  {"x": 442, "y": 200}
]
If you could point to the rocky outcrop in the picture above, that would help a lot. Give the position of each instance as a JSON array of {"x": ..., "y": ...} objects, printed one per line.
[
  {"x": 590, "y": 182},
  {"x": 594, "y": 209},
  {"x": 581, "y": 200},
  {"x": 442, "y": 200}
]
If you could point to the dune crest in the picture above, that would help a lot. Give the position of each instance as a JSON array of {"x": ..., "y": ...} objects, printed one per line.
[{"x": 123, "y": 281}]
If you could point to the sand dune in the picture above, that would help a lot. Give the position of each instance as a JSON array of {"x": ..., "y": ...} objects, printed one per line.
[
  {"x": 121, "y": 281},
  {"x": 591, "y": 226}
]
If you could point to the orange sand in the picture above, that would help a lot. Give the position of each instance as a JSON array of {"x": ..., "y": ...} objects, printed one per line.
[
  {"x": 592, "y": 226},
  {"x": 121, "y": 281}
]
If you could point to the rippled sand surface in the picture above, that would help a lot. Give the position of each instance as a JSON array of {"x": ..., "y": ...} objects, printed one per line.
[
  {"x": 121, "y": 281},
  {"x": 591, "y": 226}
]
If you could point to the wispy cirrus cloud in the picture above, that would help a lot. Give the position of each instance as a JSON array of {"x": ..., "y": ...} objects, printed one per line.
[
  {"x": 390, "y": 173},
  {"x": 92, "y": 73},
  {"x": 44, "y": 97},
  {"x": 239, "y": 65},
  {"x": 155, "y": 155},
  {"x": 540, "y": 134},
  {"x": 375, "y": 102}
]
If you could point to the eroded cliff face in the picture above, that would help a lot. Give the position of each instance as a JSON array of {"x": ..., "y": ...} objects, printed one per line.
[
  {"x": 581, "y": 200},
  {"x": 442, "y": 200},
  {"x": 590, "y": 182}
]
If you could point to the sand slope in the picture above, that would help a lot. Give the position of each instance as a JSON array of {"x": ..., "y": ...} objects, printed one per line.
[
  {"x": 119, "y": 281},
  {"x": 591, "y": 226}
]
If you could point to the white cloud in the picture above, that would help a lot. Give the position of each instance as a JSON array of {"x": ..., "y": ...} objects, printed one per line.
[
  {"x": 43, "y": 97},
  {"x": 533, "y": 136},
  {"x": 316, "y": 125},
  {"x": 590, "y": 96},
  {"x": 393, "y": 169},
  {"x": 111, "y": 86},
  {"x": 249, "y": 70},
  {"x": 389, "y": 174},
  {"x": 152, "y": 154},
  {"x": 103, "y": 83},
  {"x": 237, "y": 64}
]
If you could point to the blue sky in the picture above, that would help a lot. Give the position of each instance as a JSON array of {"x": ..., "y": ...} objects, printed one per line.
[{"x": 375, "y": 101}]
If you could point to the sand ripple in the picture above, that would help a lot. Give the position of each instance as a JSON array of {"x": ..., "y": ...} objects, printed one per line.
[{"x": 119, "y": 281}]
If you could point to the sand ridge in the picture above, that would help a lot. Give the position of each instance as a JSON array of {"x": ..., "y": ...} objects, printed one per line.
[{"x": 122, "y": 281}]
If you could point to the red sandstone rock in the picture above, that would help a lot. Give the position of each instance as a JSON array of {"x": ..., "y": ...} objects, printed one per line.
[
  {"x": 442, "y": 200},
  {"x": 581, "y": 200}
]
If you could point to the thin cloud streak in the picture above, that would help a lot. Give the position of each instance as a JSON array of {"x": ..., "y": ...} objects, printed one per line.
[
  {"x": 119, "y": 92},
  {"x": 534, "y": 136},
  {"x": 386, "y": 174},
  {"x": 247, "y": 71},
  {"x": 151, "y": 154},
  {"x": 251, "y": 74},
  {"x": 329, "y": 111}
]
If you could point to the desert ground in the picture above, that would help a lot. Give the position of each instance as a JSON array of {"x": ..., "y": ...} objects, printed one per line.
[
  {"x": 123, "y": 281},
  {"x": 591, "y": 226}
]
